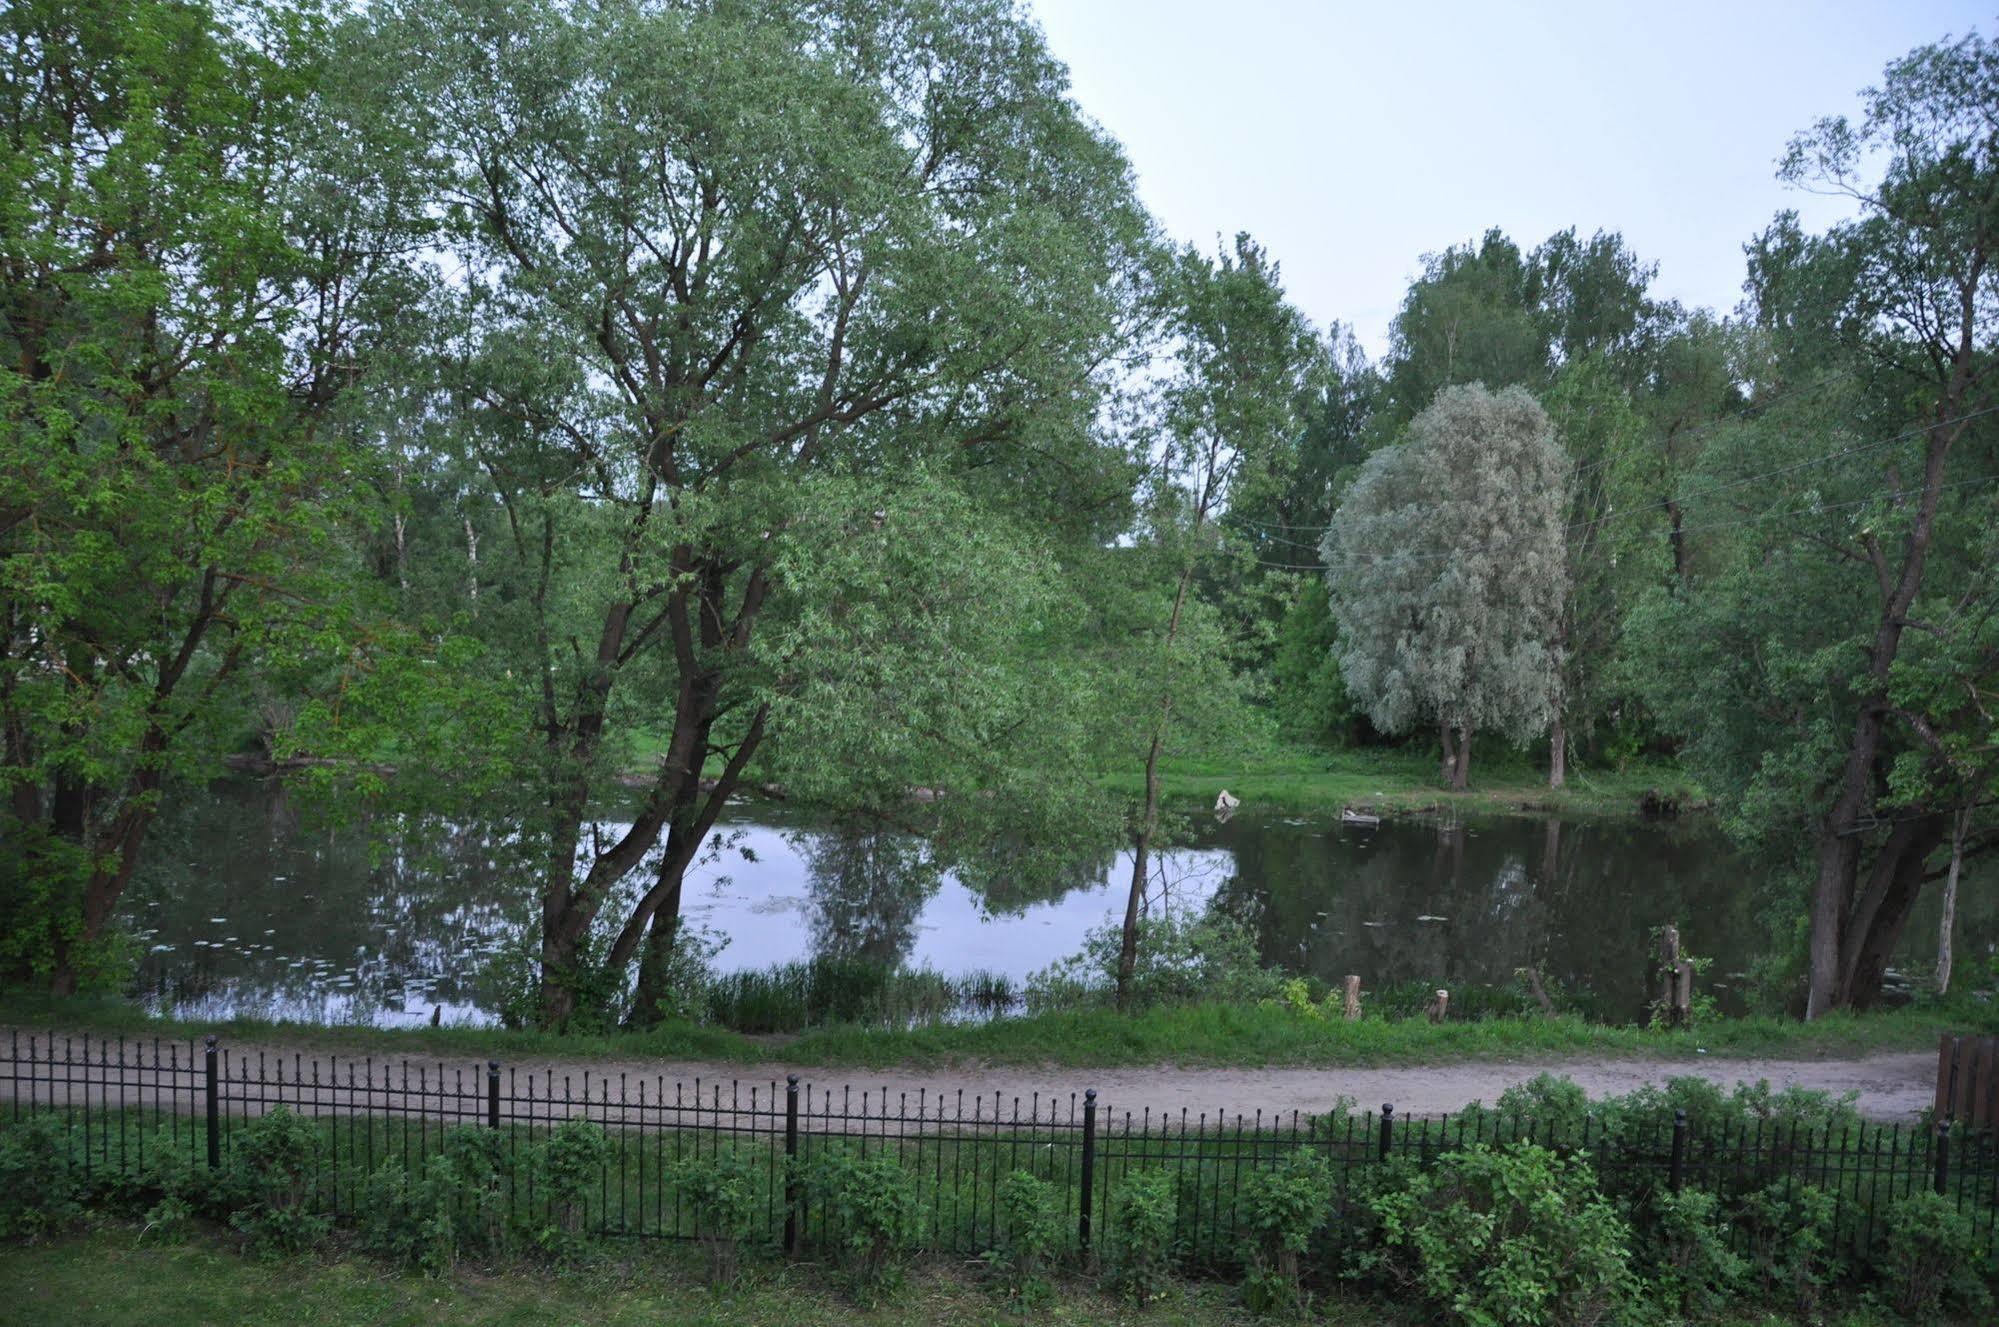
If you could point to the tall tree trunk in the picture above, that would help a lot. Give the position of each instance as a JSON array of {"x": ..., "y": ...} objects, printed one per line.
[
  {"x": 1448, "y": 765},
  {"x": 1558, "y": 753},
  {"x": 656, "y": 919},
  {"x": 1949, "y": 921},
  {"x": 698, "y": 619},
  {"x": 1847, "y": 955},
  {"x": 1148, "y": 816},
  {"x": 1882, "y": 911},
  {"x": 471, "y": 565},
  {"x": 1127, "y": 959},
  {"x": 655, "y": 982},
  {"x": 1461, "y": 767}
]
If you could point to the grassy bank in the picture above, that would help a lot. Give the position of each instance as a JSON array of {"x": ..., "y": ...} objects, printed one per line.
[
  {"x": 1323, "y": 781},
  {"x": 109, "y": 1279},
  {"x": 1214, "y": 1035}
]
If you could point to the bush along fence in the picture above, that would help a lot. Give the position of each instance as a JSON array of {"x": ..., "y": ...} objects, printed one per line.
[{"x": 1787, "y": 1191}]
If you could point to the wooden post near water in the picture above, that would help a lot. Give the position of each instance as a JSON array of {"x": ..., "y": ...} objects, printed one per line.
[
  {"x": 1440, "y": 1007},
  {"x": 1676, "y": 979},
  {"x": 1353, "y": 998}
]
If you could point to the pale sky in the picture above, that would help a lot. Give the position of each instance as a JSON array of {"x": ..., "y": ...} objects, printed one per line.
[{"x": 1350, "y": 138}]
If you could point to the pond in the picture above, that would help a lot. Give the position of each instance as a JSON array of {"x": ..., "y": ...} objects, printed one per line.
[{"x": 248, "y": 907}]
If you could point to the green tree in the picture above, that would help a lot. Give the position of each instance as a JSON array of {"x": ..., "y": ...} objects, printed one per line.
[
  {"x": 1242, "y": 357},
  {"x": 1469, "y": 317},
  {"x": 1446, "y": 569},
  {"x": 771, "y": 321},
  {"x": 1614, "y": 553},
  {"x": 1832, "y": 672},
  {"x": 1276, "y": 529},
  {"x": 196, "y": 268}
]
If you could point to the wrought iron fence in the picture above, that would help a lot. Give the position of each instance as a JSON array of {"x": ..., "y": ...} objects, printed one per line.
[{"x": 121, "y": 1097}]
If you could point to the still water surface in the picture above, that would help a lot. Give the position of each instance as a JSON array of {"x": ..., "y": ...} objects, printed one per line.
[{"x": 250, "y": 907}]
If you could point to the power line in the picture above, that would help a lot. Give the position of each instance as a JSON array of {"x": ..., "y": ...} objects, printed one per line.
[
  {"x": 1577, "y": 527},
  {"x": 1747, "y": 412},
  {"x": 1730, "y": 524}
]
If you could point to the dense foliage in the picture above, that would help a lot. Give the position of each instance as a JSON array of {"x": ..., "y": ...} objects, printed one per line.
[
  {"x": 604, "y": 411},
  {"x": 1548, "y": 1208}
]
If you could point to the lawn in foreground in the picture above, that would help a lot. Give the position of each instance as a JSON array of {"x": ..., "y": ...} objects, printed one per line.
[{"x": 108, "y": 1278}]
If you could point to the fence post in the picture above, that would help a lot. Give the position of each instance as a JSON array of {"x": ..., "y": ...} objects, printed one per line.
[
  {"x": 492, "y": 1094},
  {"x": 790, "y": 1164},
  {"x": 1943, "y": 1155},
  {"x": 1084, "y": 1199},
  {"x": 1678, "y": 1175},
  {"x": 1387, "y": 1129},
  {"x": 214, "y": 1102}
]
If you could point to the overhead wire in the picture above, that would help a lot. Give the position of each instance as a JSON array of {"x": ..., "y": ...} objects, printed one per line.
[
  {"x": 1576, "y": 527},
  {"x": 1747, "y": 412},
  {"x": 1754, "y": 519}
]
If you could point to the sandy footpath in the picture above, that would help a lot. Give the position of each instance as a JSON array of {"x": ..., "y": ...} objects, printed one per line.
[{"x": 1891, "y": 1086}]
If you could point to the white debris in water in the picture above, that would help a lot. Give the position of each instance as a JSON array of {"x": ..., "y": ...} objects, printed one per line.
[{"x": 1427, "y": 917}]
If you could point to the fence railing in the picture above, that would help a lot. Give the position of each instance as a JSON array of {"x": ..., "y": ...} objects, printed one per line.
[{"x": 122, "y": 1097}]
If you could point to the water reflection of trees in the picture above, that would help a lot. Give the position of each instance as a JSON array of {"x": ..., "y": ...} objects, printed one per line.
[
  {"x": 326, "y": 911},
  {"x": 1009, "y": 874},
  {"x": 867, "y": 886},
  {"x": 1579, "y": 901}
]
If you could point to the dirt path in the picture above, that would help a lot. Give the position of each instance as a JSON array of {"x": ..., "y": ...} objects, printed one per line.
[{"x": 1893, "y": 1086}]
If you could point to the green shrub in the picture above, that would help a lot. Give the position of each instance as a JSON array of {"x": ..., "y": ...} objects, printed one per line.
[
  {"x": 1030, "y": 1237},
  {"x": 168, "y": 1188},
  {"x": 479, "y": 1170},
  {"x": 1519, "y": 1234},
  {"x": 1549, "y": 1107},
  {"x": 408, "y": 1218},
  {"x": 1141, "y": 1247},
  {"x": 1932, "y": 1259},
  {"x": 1181, "y": 960},
  {"x": 1282, "y": 1208},
  {"x": 277, "y": 1158},
  {"x": 562, "y": 1169},
  {"x": 1790, "y": 1231},
  {"x": 454, "y": 1204},
  {"x": 41, "y": 1184},
  {"x": 1684, "y": 1252},
  {"x": 1361, "y": 1249},
  {"x": 722, "y": 1191},
  {"x": 872, "y": 1216}
]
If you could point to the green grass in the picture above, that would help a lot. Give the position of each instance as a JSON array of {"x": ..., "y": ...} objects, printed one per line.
[
  {"x": 108, "y": 1278},
  {"x": 1403, "y": 779},
  {"x": 1289, "y": 777},
  {"x": 1217, "y": 1035}
]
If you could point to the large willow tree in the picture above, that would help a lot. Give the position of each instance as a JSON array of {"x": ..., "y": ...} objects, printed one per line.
[
  {"x": 1446, "y": 566},
  {"x": 776, "y": 328}
]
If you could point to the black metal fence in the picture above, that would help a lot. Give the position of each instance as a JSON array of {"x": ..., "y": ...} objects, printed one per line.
[{"x": 121, "y": 1097}]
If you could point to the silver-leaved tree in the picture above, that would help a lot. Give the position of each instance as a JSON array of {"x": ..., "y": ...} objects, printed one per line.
[{"x": 1446, "y": 566}]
